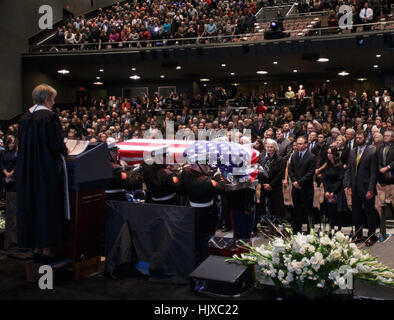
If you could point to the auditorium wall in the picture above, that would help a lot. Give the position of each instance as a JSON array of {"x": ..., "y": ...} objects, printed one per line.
[
  {"x": 66, "y": 89},
  {"x": 18, "y": 22}
]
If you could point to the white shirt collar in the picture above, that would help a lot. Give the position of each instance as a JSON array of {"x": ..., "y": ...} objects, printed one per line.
[{"x": 38, "y": 107}]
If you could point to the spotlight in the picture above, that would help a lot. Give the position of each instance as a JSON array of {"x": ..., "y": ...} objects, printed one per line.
[
  {"x": 63, "y": 71},
  {"x": 274, "y": 25}
]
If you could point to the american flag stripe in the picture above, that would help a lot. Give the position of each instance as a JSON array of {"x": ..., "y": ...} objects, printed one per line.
[{"x": 132, "y": 151}]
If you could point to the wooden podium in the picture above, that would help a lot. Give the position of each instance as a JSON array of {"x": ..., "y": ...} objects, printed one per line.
[
  {"x": 89, "y": 173},
  {"x": 86, "y": 238}
]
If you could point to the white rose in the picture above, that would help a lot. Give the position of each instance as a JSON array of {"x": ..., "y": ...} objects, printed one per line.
[
  {"x": 325, "y": 241},
  {"x": 310, "y": 238},
  {"x": 289, "y": 277},
  {"x": 281, "y": 274},
  {"x": 340, "y": 236}
]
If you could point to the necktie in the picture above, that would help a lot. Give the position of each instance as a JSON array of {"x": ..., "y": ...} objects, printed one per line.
[
  {"x": 358, "y": 158},
  {"x": 365, "y": 13},
  {"x": 301, "y": 154}
]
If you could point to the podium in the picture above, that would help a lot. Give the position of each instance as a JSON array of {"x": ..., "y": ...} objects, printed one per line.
[{"x": 89, "y": 173}]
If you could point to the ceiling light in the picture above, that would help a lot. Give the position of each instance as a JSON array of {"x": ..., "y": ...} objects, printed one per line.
[
  {"x": 295, "y": 70},
  {"x": 178, "y": 67},
  {"x": 343, "y": 73},
  {"x": 362, "y": 79},
  {"x": 135, "y": 77},
  {"x": 265, "y": 83},
  {"x": 162, "y": 76},
  {"x": 232, "y": 73},
  {"x": 327, "y": 80},
  {"x": 235, "y": 84},
  {"x": 101, "y": 70},
  {"x": 378, "y": 55},
  {"x": 98, "y": 83},
  {"x": 205, "y": 80},
  {"x": 223, "y": 65},
  {"x": 375, "y": 66},
  {"x": 323, "y": 60},
  {"x": 98, "y": 78},
  {"x": 205, "y": 85},
  {"x": 63, "y": 71},
  {"x": 133, "y": 69},
  {"x": 262, "y": 72},
  {"x": 275, "y": 62}
]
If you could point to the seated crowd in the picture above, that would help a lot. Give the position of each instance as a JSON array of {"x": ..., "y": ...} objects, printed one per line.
[
  {"x": 207, "y": 21},
  {"x": 159, "y": 20},
  {"x": 327, "y": 135}
]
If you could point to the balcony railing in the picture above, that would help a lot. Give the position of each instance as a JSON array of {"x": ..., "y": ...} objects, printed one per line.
[{"x": 258, "y": 36}]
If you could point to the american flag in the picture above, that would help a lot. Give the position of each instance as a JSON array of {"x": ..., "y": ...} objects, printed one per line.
[{"x": 229, "y": 157}]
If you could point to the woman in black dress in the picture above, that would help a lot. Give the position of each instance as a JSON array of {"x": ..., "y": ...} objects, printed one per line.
[
  {"x": 271, "y": 181},
  {"x": 334, "y": 194},
  {"x": 8, "y": 164}
]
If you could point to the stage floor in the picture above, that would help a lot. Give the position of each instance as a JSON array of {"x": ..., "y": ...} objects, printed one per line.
[{"x": 13, "y": 283}]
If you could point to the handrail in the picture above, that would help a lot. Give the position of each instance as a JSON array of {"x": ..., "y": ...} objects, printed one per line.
[
  {"x": 311, "y": 13},
  {"x": 182, "y": 41},
  {"x": 291, "y": 9}
]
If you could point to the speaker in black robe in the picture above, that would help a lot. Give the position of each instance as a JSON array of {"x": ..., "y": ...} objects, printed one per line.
[{"x": 40, "y": 180}]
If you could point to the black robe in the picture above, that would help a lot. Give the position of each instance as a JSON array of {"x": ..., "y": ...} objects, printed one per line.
[{"x": 40, "y": 180}]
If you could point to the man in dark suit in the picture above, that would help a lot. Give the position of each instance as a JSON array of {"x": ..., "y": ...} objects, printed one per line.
[
  {"x": 360, "y": 183},
  {"x": 301, "y": 172},
  {"x": 285, "y": 145},
  {"x": 259, "y": 126},
  {"x": 377, "y": 99},
  {"x": 312, "y": 140},
  {"x": 350, "y": 140},
  {"x": 287, "y": 131},
  {"x": 320, "y": 150},
  {"x": 385, "y": 163}
]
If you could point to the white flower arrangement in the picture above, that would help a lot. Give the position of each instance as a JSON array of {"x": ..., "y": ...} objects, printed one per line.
[
  {"x": 314, "y": 261},
  {"x": 2, "y": 223}
]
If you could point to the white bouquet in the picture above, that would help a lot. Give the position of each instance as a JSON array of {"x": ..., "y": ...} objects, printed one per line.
[
  {"x": 316, "y": 262},
  {"x": 2, "y": 223}
]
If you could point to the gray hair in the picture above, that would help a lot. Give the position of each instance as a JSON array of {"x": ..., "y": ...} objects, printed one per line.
[
  {"x": 42, "y": 93},
  {"x": 351, "y": 131},
  {"x": 273, "y": 143},
  {"x": 335, "y": 129}
]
